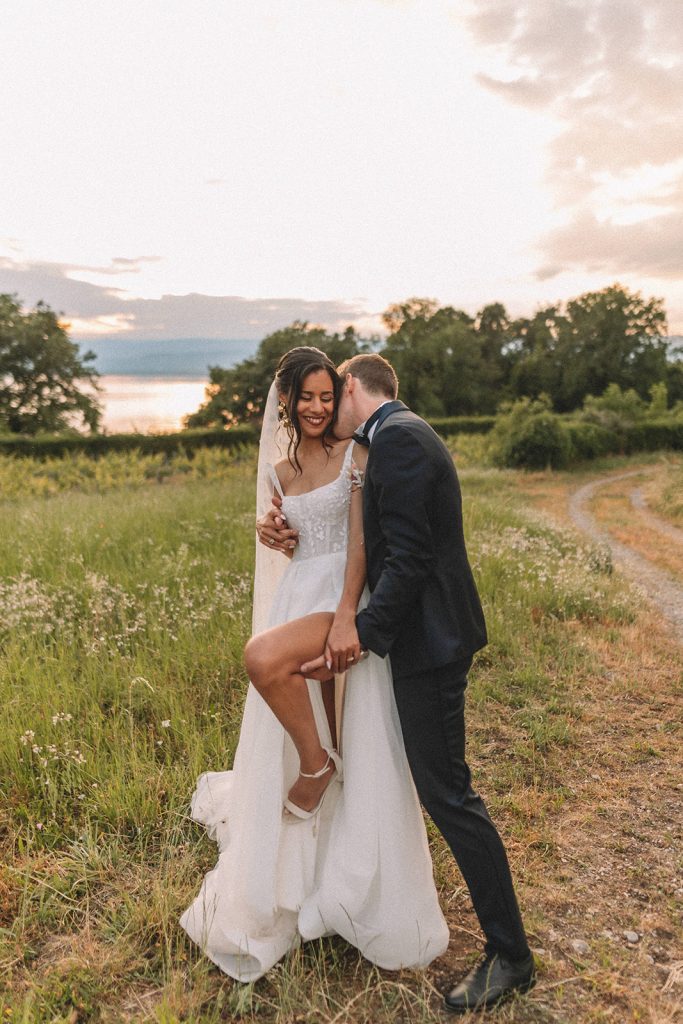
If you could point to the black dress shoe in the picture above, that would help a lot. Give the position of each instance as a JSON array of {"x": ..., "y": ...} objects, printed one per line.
[{"x": 492, "y": 981}]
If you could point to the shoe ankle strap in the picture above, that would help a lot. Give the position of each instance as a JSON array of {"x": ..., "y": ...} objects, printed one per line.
[{"x": 319, "y": 774}]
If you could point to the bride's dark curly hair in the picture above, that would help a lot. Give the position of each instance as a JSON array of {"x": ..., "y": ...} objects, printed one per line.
[{"x": 292, "y": 370}]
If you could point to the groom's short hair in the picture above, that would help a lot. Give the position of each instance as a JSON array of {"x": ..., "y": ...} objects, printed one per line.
[{"x": 377, "y": 376}]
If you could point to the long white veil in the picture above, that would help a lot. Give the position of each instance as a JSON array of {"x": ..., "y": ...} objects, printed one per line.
[{"x": 269, "y": 565}]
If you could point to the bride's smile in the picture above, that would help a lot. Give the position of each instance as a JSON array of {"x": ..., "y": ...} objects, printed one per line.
[{"x": 315, "y": 407}]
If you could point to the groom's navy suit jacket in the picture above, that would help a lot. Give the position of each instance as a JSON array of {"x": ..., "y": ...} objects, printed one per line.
[{"x": 424, "y": 610}]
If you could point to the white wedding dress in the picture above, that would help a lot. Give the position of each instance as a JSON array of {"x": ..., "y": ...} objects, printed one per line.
[{"x": 361, "y": 868}]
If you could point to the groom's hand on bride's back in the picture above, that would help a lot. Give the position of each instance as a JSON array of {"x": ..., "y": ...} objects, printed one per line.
[{"x": 273, "y": 531}]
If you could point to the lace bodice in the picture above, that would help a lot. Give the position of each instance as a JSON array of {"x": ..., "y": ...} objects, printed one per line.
[{"x": 322, "y": 515}]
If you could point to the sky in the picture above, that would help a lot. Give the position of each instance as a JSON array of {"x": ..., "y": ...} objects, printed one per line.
[{"x": 219, "y": 168}]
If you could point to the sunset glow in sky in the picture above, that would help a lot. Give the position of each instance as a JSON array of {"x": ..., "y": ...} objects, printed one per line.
[{"x": 222, "y": 167}]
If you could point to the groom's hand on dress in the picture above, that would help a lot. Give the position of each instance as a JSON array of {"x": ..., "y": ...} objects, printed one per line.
[{"x": 273, "y": 531}]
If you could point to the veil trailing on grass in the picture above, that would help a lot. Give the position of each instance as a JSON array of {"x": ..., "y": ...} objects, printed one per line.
[{"x": 269, "y": 565}]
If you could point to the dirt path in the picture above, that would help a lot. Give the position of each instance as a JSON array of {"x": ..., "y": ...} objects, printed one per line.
[
  {"x": 660, "y": 525},
  {"x": 664, "y": 591}
]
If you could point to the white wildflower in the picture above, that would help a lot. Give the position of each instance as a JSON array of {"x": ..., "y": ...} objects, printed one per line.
[{"x": 62, "y": 716}]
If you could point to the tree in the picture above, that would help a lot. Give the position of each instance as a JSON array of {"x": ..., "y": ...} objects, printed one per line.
[
  {"x": 535, "y": 366},
  {"x": 498, "y": 352},
  {"x": 398, "y": 313},
  {"x": 41, "y": 371},
  {"x": 612, "y": 336},
  {"x": 674, "y": 382},
  {"x": 238, "y": 394},
  {"x": 438, "y": 357}
]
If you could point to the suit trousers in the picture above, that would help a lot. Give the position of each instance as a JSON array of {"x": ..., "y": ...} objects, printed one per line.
[{"x": 431, "y": 708}]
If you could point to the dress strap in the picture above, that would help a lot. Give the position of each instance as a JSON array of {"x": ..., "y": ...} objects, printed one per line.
[
  {"x": 356, "y": 474},
  {"x": 275, "y": 480},
  {"x": 347, "y": 455}
]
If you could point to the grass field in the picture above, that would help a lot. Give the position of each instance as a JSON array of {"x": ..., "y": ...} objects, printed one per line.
[{"x": 124, "y": 606}]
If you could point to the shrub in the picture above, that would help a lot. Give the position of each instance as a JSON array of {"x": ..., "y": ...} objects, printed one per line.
[
  {"x": 591, "y": 440},
  {"x": 614, "y": 409},
  {"x": 528, "y": 435}
]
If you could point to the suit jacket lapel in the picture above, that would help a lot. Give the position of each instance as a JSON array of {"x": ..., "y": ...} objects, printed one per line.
[{"x": 386, "y": 411}]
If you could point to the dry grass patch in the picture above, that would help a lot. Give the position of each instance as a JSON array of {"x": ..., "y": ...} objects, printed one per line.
[
  {"x": 615, "y": 863},
  {"x": 664, "y": 490},
  {"x": 614, "y": 511}
]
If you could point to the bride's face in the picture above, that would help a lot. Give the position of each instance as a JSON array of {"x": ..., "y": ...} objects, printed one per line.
[{"x": 315, "y": 405}]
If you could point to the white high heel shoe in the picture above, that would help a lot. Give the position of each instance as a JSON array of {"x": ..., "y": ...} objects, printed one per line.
[{"x": 299, "y": 812}]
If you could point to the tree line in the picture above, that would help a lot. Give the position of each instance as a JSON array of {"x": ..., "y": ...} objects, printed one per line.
[{"x": 449, "y": 363}]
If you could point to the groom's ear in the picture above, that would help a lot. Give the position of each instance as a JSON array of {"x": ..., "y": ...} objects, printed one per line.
[{"x": 350, "y": 382}]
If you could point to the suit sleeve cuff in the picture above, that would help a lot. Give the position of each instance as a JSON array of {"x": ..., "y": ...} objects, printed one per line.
[{"x": 368, "y": 637}]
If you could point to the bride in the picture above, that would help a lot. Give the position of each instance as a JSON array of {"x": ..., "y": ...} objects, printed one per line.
[{"x": 309, "y": 844}]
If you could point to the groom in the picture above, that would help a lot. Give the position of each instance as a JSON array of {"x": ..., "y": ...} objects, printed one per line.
[{"x": 424, "y": 612}]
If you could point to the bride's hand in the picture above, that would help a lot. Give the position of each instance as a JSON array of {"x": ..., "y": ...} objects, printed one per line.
[
  {"x": 317, "y": 669},
  {"x": 342, "y": 650}
]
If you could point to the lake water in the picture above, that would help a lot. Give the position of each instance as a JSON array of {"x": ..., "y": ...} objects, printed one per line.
[
  {"x": 149, "y": 385},
  {"x": 148, "y": 404}
]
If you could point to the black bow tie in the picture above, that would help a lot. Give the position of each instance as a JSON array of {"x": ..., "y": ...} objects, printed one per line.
[{"x": 361, "y": 436}]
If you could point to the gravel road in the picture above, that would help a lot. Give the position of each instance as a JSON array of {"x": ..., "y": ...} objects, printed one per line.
[{"x": 662, "y": 589}]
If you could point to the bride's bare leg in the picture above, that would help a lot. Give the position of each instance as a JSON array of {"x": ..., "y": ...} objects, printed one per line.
[{"x": 272, "y": 660}]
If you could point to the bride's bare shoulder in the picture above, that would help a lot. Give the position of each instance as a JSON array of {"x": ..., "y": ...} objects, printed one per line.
[
  {"x": 285, "y": 472},
  {"x": 360, "y": 455}
]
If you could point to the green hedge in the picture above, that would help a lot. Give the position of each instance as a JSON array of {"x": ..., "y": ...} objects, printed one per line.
[
  {"x": 651, "y": 435},
  {"x": 539, "y": 445},
  {"x": 538, "y": 442},
  {"x": 148, "y": 444},
  {"x": 188, "y": 440}
]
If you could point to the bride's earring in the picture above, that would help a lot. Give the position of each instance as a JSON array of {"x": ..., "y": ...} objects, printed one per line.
[{"x": 283, "y": 415}]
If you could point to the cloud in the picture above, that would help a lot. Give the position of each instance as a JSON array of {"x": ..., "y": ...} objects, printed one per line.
[
  {"x": 124, "y": 264},
  {"x": 651, "y": 247},
  {"x": 37, "y": 280},
  {"x": 600, "y": 66},
  {"x": 97, "y": 309},
  {"x": 611, "y": 73}
]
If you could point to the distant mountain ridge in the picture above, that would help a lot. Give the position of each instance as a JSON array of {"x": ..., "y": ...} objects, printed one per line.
[{"x": 168, "y": 357}]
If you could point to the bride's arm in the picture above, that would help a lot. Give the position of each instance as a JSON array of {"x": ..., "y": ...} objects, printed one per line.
[
  {"x": 343, "y": 645},
  {"x": 288, "y": 546}
]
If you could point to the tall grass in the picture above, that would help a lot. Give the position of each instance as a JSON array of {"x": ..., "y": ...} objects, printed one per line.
[
  {"x": 669, "y": 502},
  {"x": 124, "y": 607}
]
